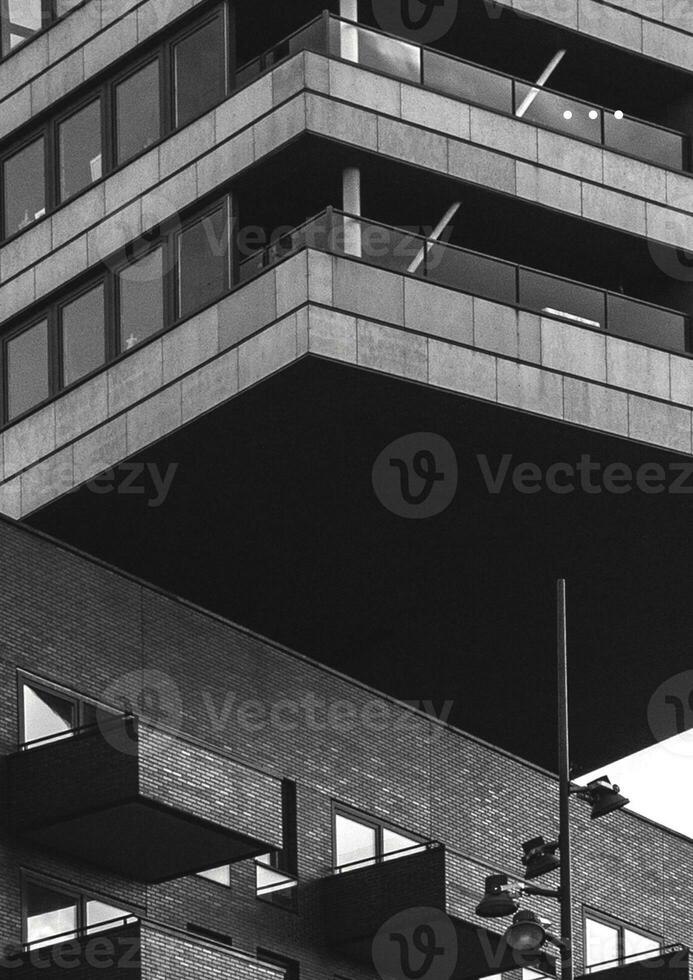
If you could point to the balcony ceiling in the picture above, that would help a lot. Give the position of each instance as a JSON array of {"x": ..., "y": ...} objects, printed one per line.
[{"x": 272, "y": 521}]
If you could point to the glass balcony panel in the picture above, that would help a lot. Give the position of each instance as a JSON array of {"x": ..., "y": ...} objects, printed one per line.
[
  {"x": 384, "y": 54},
  {"x": 647, "y": 142},
  {"x": 49, "y": 913},
  {"x": 636, "y": 946},
  {"x": 467, "y": 81},
  {"x": 647, "y": 324},
  {"x": 477, "y": 274},
  {"x": 46, "y": 715},
  {"x": 311, "y": 38},
  {"x": 248, "y": 73},
  {"x": 557, "y": 297},
  {"x": 355, "y": 843},
  {"x": 558, "y": 112}
]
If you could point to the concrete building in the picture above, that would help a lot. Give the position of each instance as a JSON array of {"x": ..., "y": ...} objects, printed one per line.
[{"x": 482, "y": 219}]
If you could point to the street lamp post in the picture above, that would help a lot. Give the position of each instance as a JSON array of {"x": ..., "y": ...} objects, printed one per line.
[
  {"x": 527, "y": 933},
  {"x": 566, "y": 898}
]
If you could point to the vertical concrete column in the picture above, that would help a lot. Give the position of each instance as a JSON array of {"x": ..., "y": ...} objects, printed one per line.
[
  {"x": 351, "y": 203},
  {"x": 349, "y": 36}
]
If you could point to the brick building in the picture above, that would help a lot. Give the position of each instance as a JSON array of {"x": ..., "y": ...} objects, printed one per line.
[
  {"x": 233, "y": 232},
  {"x": 243, "y": 746}
]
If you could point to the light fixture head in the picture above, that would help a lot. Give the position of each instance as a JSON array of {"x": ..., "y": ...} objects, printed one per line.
[
  {"x": 497, "y": 900},
  {"x": 527, "y": 933},
  {"x": 539, "y": 857},
  {"x": 603, "y": 796}
]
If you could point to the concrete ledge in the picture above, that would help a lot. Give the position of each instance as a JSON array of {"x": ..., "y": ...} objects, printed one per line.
[
  {"x": 171, "y": 177},
  {"x": 422, "y": 333}
]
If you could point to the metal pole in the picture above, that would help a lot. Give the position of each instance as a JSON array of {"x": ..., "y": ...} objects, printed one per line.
[{"x": 564, "y": 790}]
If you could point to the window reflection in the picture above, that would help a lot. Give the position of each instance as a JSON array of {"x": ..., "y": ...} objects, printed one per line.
[
  {"x": 100, "y": 915},
  {"x": 79, "y": 142},
  {"x": 27, "y": 369},
  {"x": 199, "y": 71},
  {"x": 355, "y": 842},
  {"x": 24, "y": 187},
  {"x": 138, "y": 122},
  {"x": 49, "y": 913},
  {"x": 220, "y": 875},
  {"x": 46, "y": 714},
  {"x": 83, "y": 335}
]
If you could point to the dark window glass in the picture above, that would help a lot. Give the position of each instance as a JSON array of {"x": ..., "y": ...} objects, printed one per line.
[
  {"x": 80, "y": 150},
  {"x": 203, "y": 257},
  {"x": 46, "y": 714},
  {"x": 83, "y": 335},
  {"x": 27, "y": 369},
  {"x": 24, "y": 187},
  {"x": 200, "y": 71},
  {"x": 140, "y": 288},
  {"x": 137, "y": 112},
  {"x": 49, "y": 913}
]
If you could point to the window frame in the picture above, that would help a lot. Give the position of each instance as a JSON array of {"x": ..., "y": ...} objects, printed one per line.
[
  {"x": 48, "y": 16},
  {"x": 621, "y": 928},
  {"x": 68, "y": 300},
  {"x": 7, "y": 339},
  {"x": 219, "y": 203},
  {"x": 104, "y": 88},
  {"x": 368, "y": 820},
  {"x": 12, "y": 150},
  {"x": 82, "y": 895},
  {"x": 50, "y": 687}
]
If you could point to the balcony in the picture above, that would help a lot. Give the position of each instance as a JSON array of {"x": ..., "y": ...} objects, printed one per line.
[
  {"x": 131, "y": 799},
  {"x": 671, "y": 963},
  {"x": 357, "y": 902},
  {"x": 485, "y": 87},
  {"x": 136, "y": 950},
  {"x": 482, "y": 275}
]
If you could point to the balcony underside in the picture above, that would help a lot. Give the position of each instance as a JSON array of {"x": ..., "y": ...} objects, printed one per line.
[
  {"x": 102, "y": 797},
  {"x": 145, "y": 841}
]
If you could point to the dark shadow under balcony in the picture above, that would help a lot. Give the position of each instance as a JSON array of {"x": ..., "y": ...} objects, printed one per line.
[
  {"x": 134, "y": 950},
  {"x": 143, "y": 803},
  {"x": 670, "y": 963},
  {"x": 358, "y": 902}
]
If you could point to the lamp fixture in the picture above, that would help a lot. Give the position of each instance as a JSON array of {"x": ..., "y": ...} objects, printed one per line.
[
  {"x": 603, "y": 796},
  {"x": 497, "y": 900},
  {"x": 540, "y": 857},
  {"x": 527, "y": 933}
]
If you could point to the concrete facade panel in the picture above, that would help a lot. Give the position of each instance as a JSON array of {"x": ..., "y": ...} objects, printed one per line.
[
  {"x": 383, "y": 348},
  {"x": 461, "y": 369},
  {"x": 437, "y": 311}
]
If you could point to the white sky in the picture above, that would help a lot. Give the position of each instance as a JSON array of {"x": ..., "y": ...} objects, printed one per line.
[{"x": 658, "y": 781}]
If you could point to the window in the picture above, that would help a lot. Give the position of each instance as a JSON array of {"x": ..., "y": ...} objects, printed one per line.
[
  {"x": 53, "y": 913},
  {"x": 83, "y": 329},
  {"x": 290, "y": 967},
  {"x": 141, "y": 299},
  {"x": 80, "y": 150},
  {"x": 24, "y": 187},
  {"x": 203, "y": 257},
  {"x": 20, "y": 20},
  {"x": 199, "y": 70},
  {"x": 47, "y": 712},
  {"x": 608, "y": 941},
  {"x": 362, "y": 841},
  {"x": 121, "y": 117},
  {"x": 27, "y": 369},
  {"x": 138, "y": 114},
  {"x": 220, "y": 875},
  {"x": 273, "y": 883},
  {"x": 48, "y": 913}
]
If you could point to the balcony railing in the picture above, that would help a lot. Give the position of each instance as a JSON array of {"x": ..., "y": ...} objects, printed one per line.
[
  {"x": 481, "y": 86},
  {"x": 133, "y": 949},
  {"x": 481, "y": 275},
  {"x": 356, "y": 904},
  {"x": 133, "y": 799}
]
